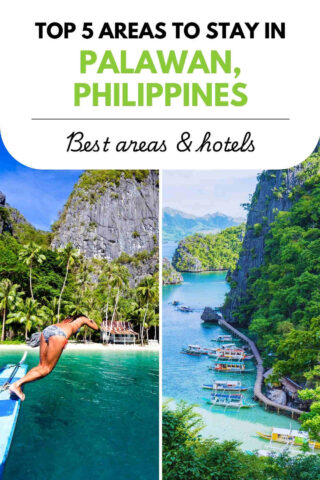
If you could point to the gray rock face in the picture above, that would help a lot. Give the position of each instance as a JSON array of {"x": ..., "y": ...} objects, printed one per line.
[
  {"x": 277, "y": 396},
  {"x": 191, "y": 263},
  {"x": 145, "y": 267},
  {"x": 271, "y": 196},
  {"x": 208, "y": 315},
  {"x": 170, "y": 276},
  {"x": 123, "y": 218}
]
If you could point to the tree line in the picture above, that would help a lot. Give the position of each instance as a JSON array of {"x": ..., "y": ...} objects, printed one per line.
[
  {"x": 186, "y": 454},
  {"x": 40, "y": 287}
]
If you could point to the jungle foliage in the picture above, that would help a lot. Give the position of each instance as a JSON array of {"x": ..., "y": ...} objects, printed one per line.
[
  {"x": 40, "y": 286},
  {"x": 213, "y": 251},
  {"x": 187, "y": 455},
  {"x": 282, "y": 303}
]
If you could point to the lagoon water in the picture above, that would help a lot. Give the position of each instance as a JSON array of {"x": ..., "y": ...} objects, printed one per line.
[
  {"x": 95, "y": 416},
  {"x": 183, "y": 375}
]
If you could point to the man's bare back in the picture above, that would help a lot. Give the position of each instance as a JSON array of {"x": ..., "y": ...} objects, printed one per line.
[{"x": 72, "y": 327}]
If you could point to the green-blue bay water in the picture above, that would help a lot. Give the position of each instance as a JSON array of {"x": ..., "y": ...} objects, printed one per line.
[
  {"x": 95, "y": 416},
  {"x": 183, "y": 375}
]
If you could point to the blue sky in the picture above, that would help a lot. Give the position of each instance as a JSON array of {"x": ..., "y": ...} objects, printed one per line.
[
  {"x": 37, "y": 194},
  {"x": 206, "y": 191},
  {"x": 40, "y": 194}
]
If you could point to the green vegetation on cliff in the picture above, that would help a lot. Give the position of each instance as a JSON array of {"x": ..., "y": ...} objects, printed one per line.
[
  {"x": 13, "y": 221},
  {"x": 24, "y": 232},
  {"x": 282, "y": 303},
  {"x": 170, "y": 276},
  {"x": 101, "y": 179},
  {"x": 209, "y": 252},
  {"x": 92, "y": 184},
  {"x": 177, "y": 224}
]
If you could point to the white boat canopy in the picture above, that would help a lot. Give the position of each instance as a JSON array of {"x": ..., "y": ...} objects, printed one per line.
[{"x": 292, "y": 433}]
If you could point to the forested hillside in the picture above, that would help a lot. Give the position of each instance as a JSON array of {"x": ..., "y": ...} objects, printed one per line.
[
  {"x": 280, "y": 301},
  {"x": 177, "y": 224},
  {"x": 198, "y": 253}
]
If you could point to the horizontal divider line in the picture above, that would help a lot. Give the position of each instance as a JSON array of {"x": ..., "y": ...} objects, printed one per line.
[{"x": 161, "y": 119}]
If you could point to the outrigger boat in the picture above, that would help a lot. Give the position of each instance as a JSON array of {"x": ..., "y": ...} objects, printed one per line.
[
  {"x": 226, "y": 385},
  {"x": 197, "y": 350},
  {"x": 227, "y": 345},
  {"x": 234, "y": 400},
  {"x": 228, "y": 354},
  {"x": 296, "y": 438},
  {"x": 229, "y": 366},
  {"x": 9, "y": 406},
  {"x": 223, "y": 338},
  {"x": 184, "y": 308},
  {"x": 194, "y": 350}
]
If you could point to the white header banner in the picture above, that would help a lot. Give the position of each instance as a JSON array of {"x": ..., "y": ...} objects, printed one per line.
[{"x": 212, "y": 85}]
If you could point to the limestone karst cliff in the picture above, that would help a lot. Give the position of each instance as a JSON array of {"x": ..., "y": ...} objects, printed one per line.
[
  {"x": 110, "y": 212},
  {"x": 211, "y": 252},
  {"x": 273, "y": 194}
]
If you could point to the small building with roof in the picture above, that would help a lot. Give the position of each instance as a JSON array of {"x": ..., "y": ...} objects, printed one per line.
[{"x": 117, "y": 332}]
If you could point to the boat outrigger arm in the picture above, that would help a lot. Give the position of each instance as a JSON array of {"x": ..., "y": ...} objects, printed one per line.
[
  {"x": 9, "y": 406},
  {"x": 15, "y": 367}
]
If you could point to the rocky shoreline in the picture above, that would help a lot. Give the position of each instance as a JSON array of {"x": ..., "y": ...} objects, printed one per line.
[{"x": 170, "y": 276}]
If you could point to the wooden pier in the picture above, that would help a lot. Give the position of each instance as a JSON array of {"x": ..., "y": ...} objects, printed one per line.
[{"x": 258, "y": 395}]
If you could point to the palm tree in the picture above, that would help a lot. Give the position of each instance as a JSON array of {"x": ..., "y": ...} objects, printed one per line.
[
  {"x": 49, "y": 311},
  {"x": 28, "y": 314},
  {"x": 103, "y": 291},
  {"x": 114, "y": 277},
  {"x": 31, "y": 254},
  {"x": 118, "y": 280},
  {"x": 8, "y": 297},
  {"x": 68, "y": 256},
  {"x": 147, "y": 293},
  {"x": 153, "y": 322}
]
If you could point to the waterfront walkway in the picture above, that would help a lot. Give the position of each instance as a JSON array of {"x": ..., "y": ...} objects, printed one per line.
[{"x": 258, "y": 395}]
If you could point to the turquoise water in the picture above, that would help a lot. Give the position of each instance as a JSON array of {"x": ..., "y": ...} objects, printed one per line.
[
  {"x": 95, "y": 416},
  {"x": 183, "y": 375}
]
